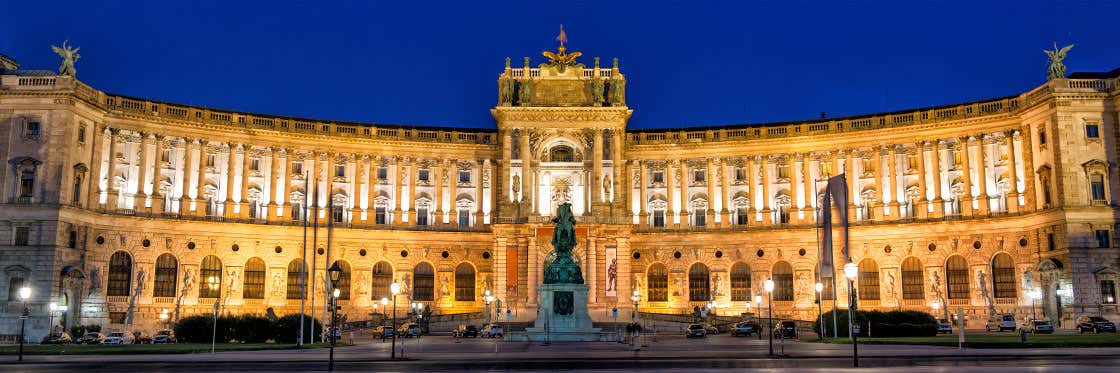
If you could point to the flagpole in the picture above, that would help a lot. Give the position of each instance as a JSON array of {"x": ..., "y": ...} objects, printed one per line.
[
  {"x": 303, "y": 266},
  {"x": 314, "y": 252},
  {"x": 328, "y": 287}
]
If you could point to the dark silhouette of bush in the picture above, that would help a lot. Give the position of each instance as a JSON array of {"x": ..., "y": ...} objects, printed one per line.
[
  {"x": 252, "y": 329},
  {"x": 881, "y": 324},
  {"x": 286, "y": 328}
]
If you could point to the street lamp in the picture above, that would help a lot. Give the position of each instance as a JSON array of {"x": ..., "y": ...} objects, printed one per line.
[
  {"x": 24, "y": 294},
  {"x": 50, "y": 323},
  {"x": 758, "y": 305},
  {"x": 820, "y": 310},
  {"x": 1035, "y": 294},
  {"x": 214, "y": 284},
  {"x": 384, "y": 309},
  {"x": 488, "y": 298},
  {"x": 165, "y": 316},
  {"x": 851, "y": 270},
  {"x": 394, "y": 288},
  {"x": 334, "y": 272},
  {"x": 769, "y": 287}
]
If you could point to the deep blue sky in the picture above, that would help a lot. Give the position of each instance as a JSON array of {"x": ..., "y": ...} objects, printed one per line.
[{"x": 688, "y": 63}]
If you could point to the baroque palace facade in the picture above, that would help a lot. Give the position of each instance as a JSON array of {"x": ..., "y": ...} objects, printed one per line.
[{"x": 121, "y": 207}]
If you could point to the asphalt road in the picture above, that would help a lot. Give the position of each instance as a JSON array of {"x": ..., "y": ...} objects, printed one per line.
[{"x": 667, "y": 353}]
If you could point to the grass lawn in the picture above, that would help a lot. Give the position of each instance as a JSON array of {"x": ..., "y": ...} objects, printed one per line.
[
  {"x": 1001, "y": 340},
  {"x": 177, "y": 348}
]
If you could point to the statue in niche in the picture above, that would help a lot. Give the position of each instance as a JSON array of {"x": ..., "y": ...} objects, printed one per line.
[
  {"x": 94, "y": 281},
  {"x": 1028, "y": 279},
  {"x": 231, "y": 285},
  {"x": 717, "y": 285},
  {"x": 678, "y": 284},
  {"x": 526, "y": 92},
  {"x": 607, "y": 187},
  {"x": 516, "y": 185},
  {"x": 444, "y": 287},
  {"x": 69, "y": 56},
  {"x": 277, "y": 285},
  {"x": 803, "y": 289},
  {"x": 612, "y": 275},
  {"x": 597, "y": 91},
  {"x": 505, "y": 89},
  {"x": 982, "y": 279},
  {"x": 617, "y": 87},
  {"x": 891, "y": 285},
  {"x": 1057, "y": 69}
]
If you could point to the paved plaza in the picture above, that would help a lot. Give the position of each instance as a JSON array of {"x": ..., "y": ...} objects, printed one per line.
[{"x": 714, "y": 353}]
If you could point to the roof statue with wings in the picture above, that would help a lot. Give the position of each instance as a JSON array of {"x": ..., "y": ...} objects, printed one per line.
[
  {"x": 1057, "y": 68},
  {"x": 69, "y": 55},
  {"x": 561, "y": 60}
]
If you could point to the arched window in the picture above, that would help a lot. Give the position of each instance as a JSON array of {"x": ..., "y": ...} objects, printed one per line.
[
  {"x": 382, "y": 280},
  {"x": 912, "y": 278},
  {"x": 783, "y": 281},
  {"x": 956, "y": 277},
  {"x": 1003, "y": 276},
  {"x": 740, "y": 282},
  {"x": 167, "y": 271},
  {"x": 868, "y": 279},
  {"x": 296, "y": 275},
  {"x": 211, "y": 268},
  {"x": 343, "y": 284},
  {"x": 464, "y": 283},
  {"x": 120, "y": 274},
  {"x": 561, "y": 153},
  {"x": 423, "y": 282},
  {"x": 699, "y": 283},
  {"x": 657, "y": 283},
  {"x": 254, "y": 279}
]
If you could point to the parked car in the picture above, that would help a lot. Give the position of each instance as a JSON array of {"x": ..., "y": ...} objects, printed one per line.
[
  {"x": 91, "y": 338},
  {"x": 492, "y": 331},
  {"x": 1095, "y": 324},
  {"x": 1039, "y": 327},
  {"x": 59, "y": 338},
  {"x": 1001, "y": 323},
  {"x": 785, "y": 329},
  {"x": 409, "y": 330},
  {"x": 695, "y": 330},
  {"x": 463, "y": 331},
  {"x": 164, "y": 336},
  {"x": 141, "y": 338},
  {"x": 711, "y": 329},
  {"x": 944, "y": 326},
  {"x": 745, "y": 328},
  {"x": 117, "y": 338},
  {"x": 383, "y": 332}
]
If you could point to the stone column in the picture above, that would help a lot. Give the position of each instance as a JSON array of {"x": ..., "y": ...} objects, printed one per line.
[
  {"x": 725, "y": 192},
  {"x": 767, "y": 213},
  {"x": 157, "y": 174},
  {"x": 966, "y": 197},
  {"x": 371, "y": 187},
  {"x": 853, "y": 182},
  {"x": 528, "y": 181},
  {"x": 324, "y": 184},
  {"x": 880, "y": 180},
  {"x": 479, "y": 215},
  {"x": 441, "y": 176},
  {"x": 507, "y": 170},
  {"x": 938, "y": 202},
  {"x": 533, "y": 268},
  {"x": 670, "y": 208},
  {"x": 810, "y": 188},
  {"x": 795, "y": 178},
  {"x": 921, "y": 206},
  {"x": 896, "y": 192},
  {"x": 231, "y": 173},
  {"x": 982, "y": 174},
  {"x": 752, "y": 188},
  {"x": 620, "y": 185},
  {"x": 710, "y": 180},
  {"x": 643, "y": 198},
  {"x": 1012, "y": 172},
  {"x": 273, "y": 212},
  {"x": 413, "y": 173},
  {"x": 398, "y": 179},
  {"x": 597, "y": 172},
  {"x": 243, "y": 205},
  {"x": 453, "y": 191},
  {"x": 189, "y": 160},
  {"x": 592, "y": 269},
  {"x": 140, "y": 199},
  {"x": 1030, "y": 199},
  {"x": 113, "y": 201},
  {"x": 200, "y": 192},
  {"x": 685, "y": 211}
]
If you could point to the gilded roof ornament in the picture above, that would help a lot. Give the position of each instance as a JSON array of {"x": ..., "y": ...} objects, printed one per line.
[{"x": 561, "y": 59}]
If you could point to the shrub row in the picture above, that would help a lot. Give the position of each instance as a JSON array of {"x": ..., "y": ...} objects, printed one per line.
[
  {"x": 244, "y": 328},
  {"x": 881, "y": 324}
]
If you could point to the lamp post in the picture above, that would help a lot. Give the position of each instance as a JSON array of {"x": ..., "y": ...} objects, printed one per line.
[
  {"x": 488, "y": 298},
  {"x": 50, "y": 323},
  {"x": 334, "y": 272},
  {"x": 384, "y": 308},
  {"x": 165, "y": 316},
  {"x": 1035, "y": 295},
  {"x": 24, "y": 294},
  {"x": 820, "y": 309},
  {"x": 636, "y": 297},
  {"x": 851, "y": 270},
  {"x": 758, "y": 306},
  {"x": 394, "y": 288},
  {"x": 769, "y": 287},
  {"x": 214, "y": 284}
]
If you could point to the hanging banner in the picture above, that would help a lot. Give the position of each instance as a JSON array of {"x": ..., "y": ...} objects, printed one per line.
[{"x": 612, "y": 271}]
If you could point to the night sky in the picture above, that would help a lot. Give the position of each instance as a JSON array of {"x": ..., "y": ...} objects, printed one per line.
[{"x": 688, "y": 63}]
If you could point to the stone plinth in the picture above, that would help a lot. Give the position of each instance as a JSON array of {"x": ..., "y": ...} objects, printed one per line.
[{"x": 563, "y": 316}]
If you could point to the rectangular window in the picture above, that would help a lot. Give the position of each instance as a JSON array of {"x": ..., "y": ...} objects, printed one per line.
[
  {"x": 700, "y": 217},
  {"x": 165, "y": 156},
  {"x": 1092, "y": 131},
  {"x": 783, "y": 215},
  {"x": 698, "y": 176},
  {"x": 72, "y": 241},
  {"x": 340, "y": 170},
  {"x": 382, "y": 173},
  {"x": 658, "y": 177},
  {"x": 659, "y": 218},
  {"x": 297, "y": 168},
  {"x": 336, "y": 214},
  {"x": 254, "y": 164},
  {"x": 912, "y": 162},
  {"x": 464, "y": 217},
  {"x": 740, "y": 174},
  {"x": 297, "y": 211},
  {"x": 23, "y": 236},
  {"x": 32, "y": 130},
  {"x": 1103, "y": 236},
  {"x": 379, "y": 215},
  {"x": 783, "y": 171},
  {"x": 210, "y": 160},
  {"x": 1042, "y": 137},
  {"x": 464, "y": 176},
  {"x": 27, "y": 185},
  {"x": 1096, "y": 187},
  {"x": 741, "y": 216},
  {"x": 1050, "y": 241},
  {"x": 421, "y": 216},
  {"x": 422, "y": 175},
  {"x": 81, "y": 134},
  {"x": 14, "y": 283},
  {"x": 1108, "y": 292}
]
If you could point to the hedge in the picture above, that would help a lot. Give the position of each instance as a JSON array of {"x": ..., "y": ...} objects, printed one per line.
[
  {"x": 882, "y": 324},
  {"x": 286, "y": 328}
]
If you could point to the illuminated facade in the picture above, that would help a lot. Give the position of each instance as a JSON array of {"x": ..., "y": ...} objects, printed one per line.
[{"x": 121, "y": 207}]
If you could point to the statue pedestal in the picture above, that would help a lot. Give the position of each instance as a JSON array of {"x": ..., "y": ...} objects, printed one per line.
[{"x": 563, "y": 317}]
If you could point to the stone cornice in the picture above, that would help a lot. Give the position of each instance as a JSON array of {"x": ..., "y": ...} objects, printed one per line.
[{"x": 561, "y": 117}]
